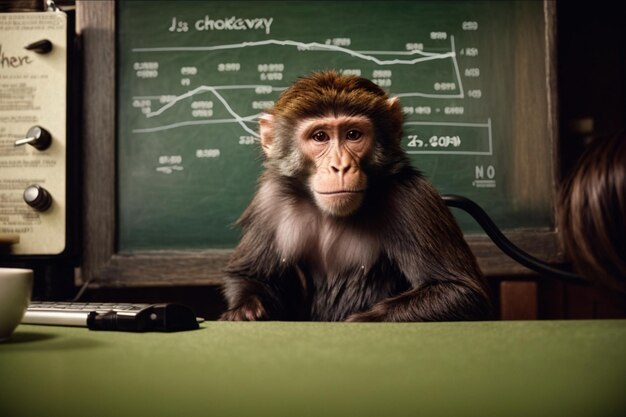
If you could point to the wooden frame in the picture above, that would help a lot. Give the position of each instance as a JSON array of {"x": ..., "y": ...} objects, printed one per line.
[{"x": 103, "y": 267}]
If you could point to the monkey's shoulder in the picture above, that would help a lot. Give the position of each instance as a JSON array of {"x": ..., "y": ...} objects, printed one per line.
[
  {"x": 409, "y": 207},
  {"x": 407, "y": 190}
]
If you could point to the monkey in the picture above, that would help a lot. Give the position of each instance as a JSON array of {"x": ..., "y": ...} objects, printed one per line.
[{"x": 342, "y": 227}]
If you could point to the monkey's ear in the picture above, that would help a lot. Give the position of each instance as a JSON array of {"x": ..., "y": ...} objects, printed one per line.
[
  {"x": 394, "y": 103},
  {"x": 397, "y": 117},
  {"x": 266, "y": 129}
]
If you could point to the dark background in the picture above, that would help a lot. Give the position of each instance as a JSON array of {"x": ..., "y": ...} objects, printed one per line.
[{"x": 591, "y": 53}]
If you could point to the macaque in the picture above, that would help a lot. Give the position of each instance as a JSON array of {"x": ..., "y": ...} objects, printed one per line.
[{"x": 342, "y": 227}]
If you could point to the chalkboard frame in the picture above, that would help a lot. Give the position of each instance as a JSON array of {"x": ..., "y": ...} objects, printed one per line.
[{"x": 103, "y": 266}]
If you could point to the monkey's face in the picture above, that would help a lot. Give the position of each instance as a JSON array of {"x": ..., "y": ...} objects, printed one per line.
[
  {"x": 336, "y": 146},
  {"x": 328, "y": 132}
]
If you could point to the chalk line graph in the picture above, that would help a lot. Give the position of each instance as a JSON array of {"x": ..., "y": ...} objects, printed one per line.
[
  {"x": 315, "y": 46},
  {"x": 422, "y": 56},
  {"x": 383, "y": 58},
  {"x": 236, "y": 118},
  {"x": 362, "y": 55}
]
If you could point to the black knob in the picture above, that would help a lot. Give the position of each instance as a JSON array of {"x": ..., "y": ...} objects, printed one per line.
[
  {"x": 37, "y": 197},
  {"x": 37, "y": 137},
  {"x": 42, "y": 46}
]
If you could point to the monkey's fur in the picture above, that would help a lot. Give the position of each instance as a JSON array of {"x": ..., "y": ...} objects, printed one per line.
[{"x": 400, "y": 256}]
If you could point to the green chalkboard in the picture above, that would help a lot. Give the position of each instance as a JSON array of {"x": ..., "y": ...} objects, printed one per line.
[{"x": 193, "y": 76}]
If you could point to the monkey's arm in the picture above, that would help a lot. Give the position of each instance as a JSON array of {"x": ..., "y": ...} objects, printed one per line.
[
  {"x": 259, "y": 285},
  {"x": 443, "y": 290},
  {"x": 276, "y": 297},
  {"x": 244, "y": 301},
  {"x": 443, "y": 301},
  {"x": 445, "y": 281}
]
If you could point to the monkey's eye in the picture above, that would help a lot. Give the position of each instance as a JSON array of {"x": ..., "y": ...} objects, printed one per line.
[
  {"x": 320, "y": 136},
  {"x": 353, "y": 135}
]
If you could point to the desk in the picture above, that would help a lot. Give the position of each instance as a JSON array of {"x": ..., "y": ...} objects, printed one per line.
[{"x": 533, "y": 368}]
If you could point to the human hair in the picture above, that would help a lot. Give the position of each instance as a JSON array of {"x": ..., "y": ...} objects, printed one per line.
[{"x": 592, "y": 213}]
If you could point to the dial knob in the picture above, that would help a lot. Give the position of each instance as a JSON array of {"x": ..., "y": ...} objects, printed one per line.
[
  {"x": 42, "y": 46},
  {"x": 37, "y": 137},
  {"x": 37, "y": 197}
]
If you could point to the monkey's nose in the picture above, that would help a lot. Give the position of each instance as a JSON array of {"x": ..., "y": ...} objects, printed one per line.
[
  {"x": 340, "y": 169},
  {"x": 341, "y": 164},
  {"x": 346, "y": 174}
]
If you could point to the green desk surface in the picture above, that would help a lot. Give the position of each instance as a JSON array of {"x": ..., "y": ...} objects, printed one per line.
[{"x": 539, "y": 368}]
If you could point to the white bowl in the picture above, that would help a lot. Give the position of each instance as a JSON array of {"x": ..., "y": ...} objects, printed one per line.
[{"x": 15, "y": 292}]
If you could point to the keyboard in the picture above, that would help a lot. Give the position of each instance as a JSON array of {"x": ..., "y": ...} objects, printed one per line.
[{"x": 166, "y": 317}]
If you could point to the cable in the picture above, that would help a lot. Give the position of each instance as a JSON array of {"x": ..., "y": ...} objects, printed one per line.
[
  {"x": 82, "y": 290},
  {"x": 505, "y": 245}
]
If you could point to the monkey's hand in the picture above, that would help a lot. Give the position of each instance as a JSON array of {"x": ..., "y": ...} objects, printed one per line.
[
  {"x": 377, "y": 313},
  {"x": 252, "y": 310}
]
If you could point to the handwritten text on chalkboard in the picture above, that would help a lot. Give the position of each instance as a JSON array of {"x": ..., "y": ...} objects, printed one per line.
[{"x": 227, "y": 23}]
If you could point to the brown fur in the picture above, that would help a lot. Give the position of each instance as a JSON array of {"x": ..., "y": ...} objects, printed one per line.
[
  {"x": 592, "y": 213},
  {"x": 398, "y": 256}
]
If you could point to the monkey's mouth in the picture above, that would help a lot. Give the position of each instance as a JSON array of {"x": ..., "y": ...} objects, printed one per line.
[
  {"x": 339, "y": 192},
  {"x": 339, "y": 202}
]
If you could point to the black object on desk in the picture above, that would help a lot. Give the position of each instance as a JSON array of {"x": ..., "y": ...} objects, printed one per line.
[{"x": 166, "y": 317}]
